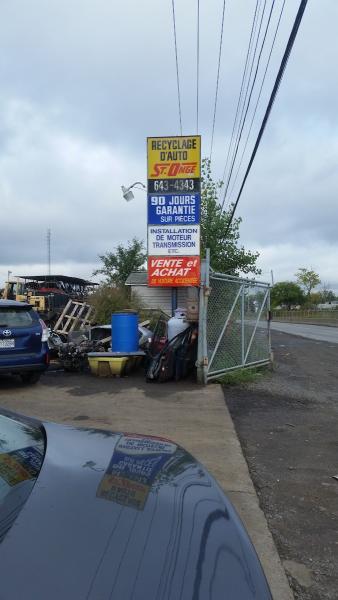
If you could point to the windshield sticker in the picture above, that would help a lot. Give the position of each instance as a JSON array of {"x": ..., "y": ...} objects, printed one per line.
[
  {"x": 20, "y": 465},
  {"x": 133, "y": 468}
]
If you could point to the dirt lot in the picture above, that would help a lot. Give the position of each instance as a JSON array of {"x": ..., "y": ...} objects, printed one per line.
[
  {"x": 189, "y": 414},
  {"x": 287, "y": 423}
]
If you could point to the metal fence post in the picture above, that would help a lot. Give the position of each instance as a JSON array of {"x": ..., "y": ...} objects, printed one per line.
[
  {"x": 243, "y": 325},
  {"x": 202, "y": 352},
  {"x": 173, "y": 300},
  {"x": 269, "y": 326},
  {"x": 201, "y": 310},
  {"x": 206, "y": 297}
]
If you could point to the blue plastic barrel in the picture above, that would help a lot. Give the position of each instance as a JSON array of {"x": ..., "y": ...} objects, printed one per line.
[{"x": 124, "y": 332}]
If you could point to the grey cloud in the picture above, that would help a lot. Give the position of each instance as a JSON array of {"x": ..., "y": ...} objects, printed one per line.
[
  {"x": 83, "y": 84},
  {"x": 58, "y": 181}
]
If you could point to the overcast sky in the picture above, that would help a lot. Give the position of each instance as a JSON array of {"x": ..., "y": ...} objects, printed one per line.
[{"x": 84, "y": 83}]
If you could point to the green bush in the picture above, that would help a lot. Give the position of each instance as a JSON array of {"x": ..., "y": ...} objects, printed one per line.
[{"x": 107, "y": 299}]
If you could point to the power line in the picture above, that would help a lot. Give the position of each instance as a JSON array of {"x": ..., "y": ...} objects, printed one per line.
[
  {"x": 259, "y": 97},
  {"x": 217, "y": 82},
  {"x": 274, "y": 92},
  {"x": 244, "y": 114},
  {"x": 252, "y": 62},
  {"x": 177, "y": 74},
  {"x": 252, "y": 33},
  {"x": 198, "y": 62}
]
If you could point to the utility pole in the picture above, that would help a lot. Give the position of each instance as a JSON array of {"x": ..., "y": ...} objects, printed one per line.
[
  {"x": 272, "y": 279},
  {"x": 48, "y": 249}
]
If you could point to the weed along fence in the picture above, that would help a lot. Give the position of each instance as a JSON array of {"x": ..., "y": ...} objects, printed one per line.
[{"x": 234, "y": 325}]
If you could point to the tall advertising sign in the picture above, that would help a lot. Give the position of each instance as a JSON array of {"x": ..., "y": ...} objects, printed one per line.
[{"x": 174, "y": 199}]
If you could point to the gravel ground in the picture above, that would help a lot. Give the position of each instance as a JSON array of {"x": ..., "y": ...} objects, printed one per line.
[{"x": 287, "y": 423}]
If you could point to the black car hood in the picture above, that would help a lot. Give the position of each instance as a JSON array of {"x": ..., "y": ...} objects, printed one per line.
[{"x": 123, "y": 516}]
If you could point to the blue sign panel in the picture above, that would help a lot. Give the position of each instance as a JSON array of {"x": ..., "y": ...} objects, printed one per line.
[{"x": 174, "y": 209}]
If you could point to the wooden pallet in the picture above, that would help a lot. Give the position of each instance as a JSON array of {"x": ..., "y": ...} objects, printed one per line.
[{"x": 76, "y": 315}]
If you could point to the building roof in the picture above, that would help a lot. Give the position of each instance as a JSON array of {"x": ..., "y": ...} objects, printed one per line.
[
  {"x": 137, "y": 278},
  {"x": 62, "y": 278}
]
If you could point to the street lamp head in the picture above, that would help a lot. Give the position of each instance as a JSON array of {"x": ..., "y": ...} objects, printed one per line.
[{"x": 128, "y": 194}]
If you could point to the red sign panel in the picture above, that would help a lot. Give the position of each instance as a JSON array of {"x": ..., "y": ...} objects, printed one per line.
[
  {"x": 163, "y": 170},
  {"x": 173, "y": 271}
]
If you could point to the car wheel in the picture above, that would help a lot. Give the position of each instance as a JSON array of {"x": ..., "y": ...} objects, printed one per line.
[{"x": 30, "y": 377}]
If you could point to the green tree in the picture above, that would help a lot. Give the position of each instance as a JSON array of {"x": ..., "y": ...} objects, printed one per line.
[
  {"x": 326, "y": 295},
  {"x": 226, "y": 255},
  {"x": 118, "y": 265},
  {"x": 314, "y": 299},
  {"x": 287, "y": 293},
  {"x": 107, "y": 299},
  {"x": 329, "y": 296},
  {"x": 307, "y": 279}
]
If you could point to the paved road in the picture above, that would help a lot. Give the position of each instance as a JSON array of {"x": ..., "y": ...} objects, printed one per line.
[
  {"x": 287, "y": 423},
  {"x": 313, "y": 332}
]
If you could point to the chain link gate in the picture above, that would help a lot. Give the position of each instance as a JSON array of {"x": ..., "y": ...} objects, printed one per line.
[{"x": 234, "y": 325}]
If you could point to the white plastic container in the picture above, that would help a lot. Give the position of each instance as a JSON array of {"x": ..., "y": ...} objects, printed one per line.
[{"x": 177, "y": 323}]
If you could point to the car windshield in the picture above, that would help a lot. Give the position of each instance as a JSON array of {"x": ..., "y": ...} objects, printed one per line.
[
  {"x": 15, "y": 317},
  {"x": 22, "y": 448}
]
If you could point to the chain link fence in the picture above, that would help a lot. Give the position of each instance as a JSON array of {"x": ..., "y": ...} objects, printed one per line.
[{"x": 234, "y": 322}]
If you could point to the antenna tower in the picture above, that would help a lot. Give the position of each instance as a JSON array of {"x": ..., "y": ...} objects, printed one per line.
[{"x": 48, "y": 249}]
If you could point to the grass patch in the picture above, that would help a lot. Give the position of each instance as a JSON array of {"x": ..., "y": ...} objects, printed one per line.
[{"x": 241, "y": 376}]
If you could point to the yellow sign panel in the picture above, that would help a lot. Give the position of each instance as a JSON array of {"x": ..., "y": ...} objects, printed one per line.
[{"x": 174, "y": 157}]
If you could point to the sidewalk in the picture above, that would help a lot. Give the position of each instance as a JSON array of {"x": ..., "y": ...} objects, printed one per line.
[
  {"x": 198, "y": 419},
  {"x": 195, "y": 417}
]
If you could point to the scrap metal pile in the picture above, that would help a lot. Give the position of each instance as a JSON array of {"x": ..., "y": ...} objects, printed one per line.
[
  {"x": 172, "y": 352},
  {"x": 73, "y": 355},
  {"x": 72, "y": 349},
  {"x": 176, "y": 360},
  {"x": 170, "y": 347}
]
